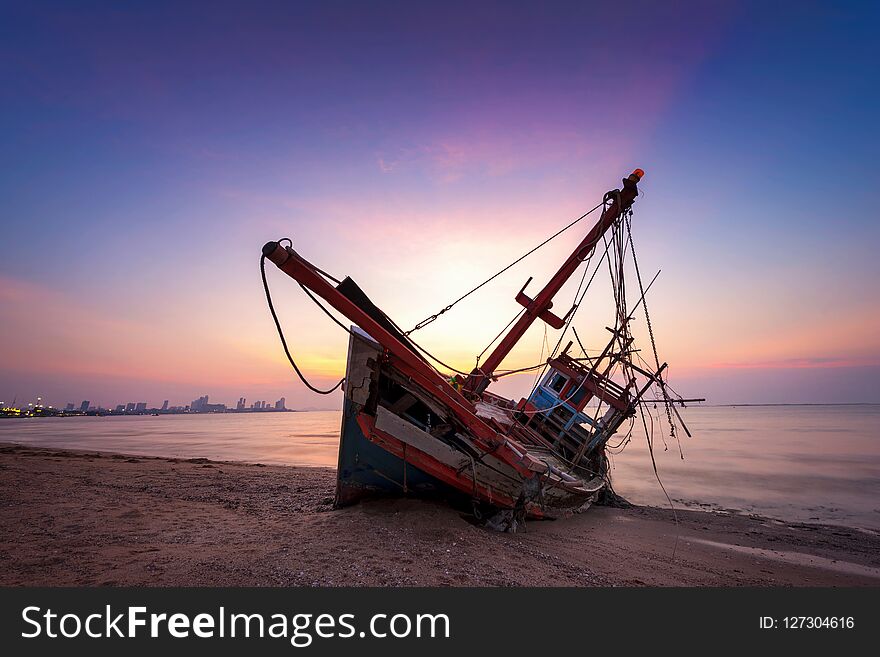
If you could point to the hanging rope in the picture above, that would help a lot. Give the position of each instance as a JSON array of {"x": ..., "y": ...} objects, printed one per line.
[{"x": 281, "y": 331}]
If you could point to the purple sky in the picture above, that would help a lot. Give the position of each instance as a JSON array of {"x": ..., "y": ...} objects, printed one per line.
[{"x": 149, "y": 150}]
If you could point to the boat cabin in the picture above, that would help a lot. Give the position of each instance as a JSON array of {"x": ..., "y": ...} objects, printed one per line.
[{"x": 558, "y": 407}]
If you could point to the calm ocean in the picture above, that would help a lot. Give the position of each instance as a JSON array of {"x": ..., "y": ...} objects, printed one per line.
[{"x": 797, "y": 463}]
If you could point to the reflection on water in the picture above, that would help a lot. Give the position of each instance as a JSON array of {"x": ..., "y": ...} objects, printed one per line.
[
  {"x": 274, "y": 438},
  {"x": 804, "y": 463}
]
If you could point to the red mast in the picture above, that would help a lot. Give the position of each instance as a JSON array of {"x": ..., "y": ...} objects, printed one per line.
[{"x": 540, "y": 306}]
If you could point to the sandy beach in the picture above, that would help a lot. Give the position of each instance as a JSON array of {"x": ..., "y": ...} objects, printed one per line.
[{"x": 97, "y": 519}]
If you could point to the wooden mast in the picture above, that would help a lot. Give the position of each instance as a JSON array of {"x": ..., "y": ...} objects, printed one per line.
[{"x": 539, "y": 307}]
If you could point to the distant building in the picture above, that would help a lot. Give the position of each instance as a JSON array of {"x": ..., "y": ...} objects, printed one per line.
[
  {"x": 165, "y": 405},
  {"x": 201, "y": 405},
  {"x": 69, "y": 407},
  {"x": 120, "y": 408},
  {"x": 279, "y": 405},
  {"x": 141, "y": 407},
  {"x": 241, "y": 403},
  {"x": 129, "y": 407},
  {"x": 84, "y": 406}
]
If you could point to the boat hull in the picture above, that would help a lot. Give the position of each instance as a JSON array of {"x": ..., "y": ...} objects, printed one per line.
[
  {"x": 366, "y": 469},
  {"x": 396, "y": 439}
]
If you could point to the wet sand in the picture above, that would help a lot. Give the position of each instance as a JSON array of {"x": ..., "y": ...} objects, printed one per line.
[{"x": 72, "y": 518}]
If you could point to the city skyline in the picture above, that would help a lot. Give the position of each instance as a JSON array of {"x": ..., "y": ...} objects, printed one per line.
[
  {"x": 199, "y": 404},
  {"x": 419, "y": 149}
]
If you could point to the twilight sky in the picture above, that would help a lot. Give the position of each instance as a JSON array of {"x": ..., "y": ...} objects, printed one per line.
[{"x": 148, "y": 150}]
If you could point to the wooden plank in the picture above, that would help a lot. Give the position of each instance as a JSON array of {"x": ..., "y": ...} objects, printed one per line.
[
  {"x": 359, "y": 374},
  {"x": 411, "y": 435}
]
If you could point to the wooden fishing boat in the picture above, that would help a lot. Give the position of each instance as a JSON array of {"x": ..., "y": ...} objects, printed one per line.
[{"x": 409, "y": 428}]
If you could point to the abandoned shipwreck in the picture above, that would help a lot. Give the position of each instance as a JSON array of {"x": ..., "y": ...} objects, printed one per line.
[{"x": 410, "y": 427}]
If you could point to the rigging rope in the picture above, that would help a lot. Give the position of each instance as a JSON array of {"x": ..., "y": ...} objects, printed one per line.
[
  {"x": 577, "y": 305},
  {"x": 431, "y": 318},
  {"x": 662, "y": 384},
  {"x": 500, "y": 333},
  {"x": 622, "y": 236}
]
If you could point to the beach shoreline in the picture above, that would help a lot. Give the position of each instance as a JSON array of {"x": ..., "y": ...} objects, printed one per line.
[{"x": 85, "y": 518}]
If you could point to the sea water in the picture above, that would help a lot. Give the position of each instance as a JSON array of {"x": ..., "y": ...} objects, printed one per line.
[{"x": 794, "y": 463}]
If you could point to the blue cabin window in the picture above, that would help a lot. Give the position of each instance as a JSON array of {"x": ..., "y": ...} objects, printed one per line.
[
  {"x": 578, "y": 396},
  {"x": 557, "y": 382}
]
